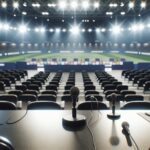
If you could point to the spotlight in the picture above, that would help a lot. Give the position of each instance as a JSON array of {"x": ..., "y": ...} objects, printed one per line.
[
  {"x": 4, "y": 4},
  {"x": 131, "y": 5},
  {"x": 97, "y": 30},
  {"x": 36, "y": 30},
  {"x": 122, "y": 13},
  {"x": 74, "y": 5},
  {"x": 42, "y": 29},
  {"x": 51, "y": 30},
  {"x": 134, "y": 27},
  {"x": 22, "y": 29},
  {"x": 141, "y": 27},
  {"x": 1, "y": 26},
  {"x": 85, "y": 5},
  {"x": 83, "y": 30},
  {"x": 57, "y": 30},
  {"x": 96, "y": 5},
  {"x": 63, "y": 30},
  {"x": 62, "y": 5},
  {"x": 75, "y": 29},
  {"x": 143, "y": 4},
  {"x": 116, "y": 29},
  {"x": 36, "y": 5},
  {"x": 90, "y": 30},
  {"x": 24, "y": 13},
  {"x": 15, "y": 5},
  {"x": 103, "y": 30},
  {"x": 6, "y": 27}
]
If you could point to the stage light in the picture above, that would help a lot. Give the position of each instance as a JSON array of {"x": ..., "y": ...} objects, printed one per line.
[
  {"x": 75, "y": 29},
  {"x": 116, "y": 29},
  {"x": 45, "y": 13},
  {"x": 143, "y": 4},
  {"x": 15, "y": 5},
  {"x": 64, "y": 30},
  {"x": 113, "y": 5},
  {"x": 36, "y": 30},
  {"x": 22, "y": 29},
  {"x": 122, "y": 13},
  {"x": 74, "y": 5},
  {"x": 24, "y": 13},
  {"x": 85, "y": 5},
  {"x": 57, "y": 30},
  {"x": 62, "y": 5},
  {"x": 6, "y": 27},
  {"x": 83, "y": 30},
  {"x": 122, "y": 4},
  {"x": 109, "y": 13},
  {"x": 90, "y": 30},
  {"x": 4, "y": 4},
  {"x": 131, "y": 5},
  {"x": 25, "y": 4},
  {"x": 51, "y": 30},
  {"x": 103, "y": 30},
  {"x": 42, "y": 29},
  {"x": 1, "y": 26},
  {"x": 36, "y": 5},
  {"x": 51, "y": 5},
  {"x": 141, "y": 27},
  {"x": 134, "y": 27},
  {"x": 96, "y": 5},
  {"x": 148, "y": 25},
  {"x": 98, "y": 30}
]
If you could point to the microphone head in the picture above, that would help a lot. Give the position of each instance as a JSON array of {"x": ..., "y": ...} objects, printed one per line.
[
  {"x": 74, "y": 91},
  {"x": 125, "y": 124}
]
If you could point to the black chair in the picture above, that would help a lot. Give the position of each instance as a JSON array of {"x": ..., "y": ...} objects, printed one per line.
[
  {"x": 126, "y": 92},
  {"x": 91, "y": 92},
  {"x": 68, "y": 87},
  {"x": 15, "y": 92},
  {"x": 109, "y": 92},
  {"x": 51, "y": 87},
  {"x": 5, "y": 105},
  {"x": 109, "y": 87},
  {"x": 21, "y": 87},
  {"x": 33, "y": 87},
  {"x": 89, "y": 87},
  {"x": 119, "y": 97},
  {"x": 9, "y": 97},
  {"x": 43, "y": 105},
  {"x": 133, "y": 97},
  {"x": 53, "y": 92},
  {"x": 147, "y": 87},
  {"x": 122, "y": 87},
  {"x": 92, "y": 105},
  {"x": 32, "y": 92},
  {"x": 2, "y": 87},
  {"x": 93, "y": 97},
  {"x": 66, "y": 98},
  {"x": 27, "y": 97},
  {"x": 47, "y": 97},
  {"x": 136, "y": 105}
]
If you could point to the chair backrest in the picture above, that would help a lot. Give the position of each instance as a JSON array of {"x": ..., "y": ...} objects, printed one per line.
[
  {"x": 122, "y": 87},
  {"x": 89, "y": 87},
  {"x": 9, "y": 97},
  {"x": 93, "y": 97},
  {"x": 33, "y": 87},
  {"x": 43, "y": 105},
  {"x": 2, "y": 88},
  {"x": 15, "y": 92},
  {"x": 33, "y": 92},
  {"x": 126, "y": 92},
  {"x": 119, "y": 97},
  {"x": 53, "y": 92},
  {"x": 136, "y": 105},
  {"x": 91, "y": 92},
  {"x": 51, "y": 87},
  {"x": 47, "y": 97},
  {"x": 91, "y": 105},
  {"x": 66, "y": 97},
  {"x": 27, "y": 97},
  {"x": 5, "y": 105},
  {"x": 21, "y": 87},
  {"x": 133, "y": 97}
]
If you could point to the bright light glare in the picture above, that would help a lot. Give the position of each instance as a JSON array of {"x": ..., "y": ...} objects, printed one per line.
[
  {"x": 4, "y": 4},
  {"x": 131, "y": 5},
  {"x": 97, "y": 30},
  {"x": 42, "y": 29},
  {"x": 75, "y": 29},
  {"x": 96, "y": 5},
  {"x": 85, "y": 5},
  {"x": 62, "y": 5},
  {"x": 16, "y": 5},
  {"x": 143, "y": 4},
  {"x": 74, "y": 5},
  {"x": 36, "y": 29},
  {"x": 116, "y": 29},
  {"x": 6, "y": 27},
  {"x": 57, "y": 30},
  {"x": 22, "y": 29},
  {"x": 137, "y": 27},
  {"x": 134, "y": 27}
]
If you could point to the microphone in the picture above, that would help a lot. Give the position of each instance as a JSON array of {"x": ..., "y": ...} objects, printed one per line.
[
  {"x": 74, "y": 95},
  {"x": 113, "y": 115},
  {"x": 125, "y": 126},
  {"x": 74, "y": 121}
]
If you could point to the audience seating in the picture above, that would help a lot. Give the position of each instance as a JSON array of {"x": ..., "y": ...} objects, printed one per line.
[
  {"x": 9, "y": 97},
  {"x": 5, "y": 105},
  {"x": 47, "y": 97},
  {"x": 133, "y": 97},
  {"x": 93, "y": 97}
]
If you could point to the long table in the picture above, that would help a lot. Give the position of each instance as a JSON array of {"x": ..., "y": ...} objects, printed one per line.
[{"x": 43, "y": 130}]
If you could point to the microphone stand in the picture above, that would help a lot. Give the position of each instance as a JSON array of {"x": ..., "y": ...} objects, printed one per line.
[{"x": 113, "y": 115}]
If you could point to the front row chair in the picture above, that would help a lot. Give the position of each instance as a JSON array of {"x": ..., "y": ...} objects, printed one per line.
[
  {"x": 5, "y": 105},
  {"x": 92, "y": 105},
  {"x": 43, "y": 105},
  {"x": 136, "y": 105}
]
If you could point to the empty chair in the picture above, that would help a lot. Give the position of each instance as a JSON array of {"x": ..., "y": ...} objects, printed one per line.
[
  {"x": 32, "y": 92},
  {"x": 93, "y": 97},
  {"x": 116, "y": 83},
  {"x": 5, "y": 105},
  {"x": 68, "y": 87},
  {"x": 133, "y": 97},
  {"x": 33, "y": 87},
  {"x": 27, "y": 83},
  {"x": 2, "y": 87},
  {"x": 119, "y": 97},
  {"x": 66, "y": 97},
  {"x": 43, "y": 105},
  {"x": 47, "y": 97},
  {"x": 53, "y": 92},
  {"x": 66, "y": 92},
  {"x": 91, "y": 105},
  {"x": 16, "y": 92},
  {"x": 104, "y": 83},
  {"x": 9, "y": 97},
  {"x": 21, "y": 87},
  {"x": 27, "y": 97},
  {"x": 136, "y": 105},
  {"x": 126, "y": 92},
  {"x": 109, "y": 87},
  {"x": 89, "y": 87},
  {"x": 122, "y": 87},
  {"x": 51, "y": 87},
  {"x": 147, "y": 87},
  {"x": 91, "y": 92},
  {"x": 108, "y": 92}
]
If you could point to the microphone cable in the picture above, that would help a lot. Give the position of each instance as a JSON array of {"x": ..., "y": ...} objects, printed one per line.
[{"x": 137, "y": 147}]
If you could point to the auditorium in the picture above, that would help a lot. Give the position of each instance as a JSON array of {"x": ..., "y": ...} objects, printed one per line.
[{"x": 74, "y": 74}]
